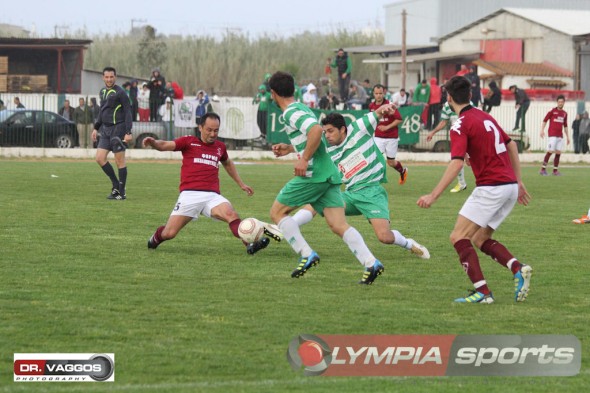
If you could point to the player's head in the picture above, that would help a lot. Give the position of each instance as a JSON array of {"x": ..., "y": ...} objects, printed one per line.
[
  {"x": 378, "y": 93},
  {"x": 282, "y": 84},
  {"x": 459, "y": 91},
  {"x": 560, "y": 101},
  {"x": 109, "y": 75},
  {"x": 209, "y": 127},
  {"x": 334, "y": 128}
]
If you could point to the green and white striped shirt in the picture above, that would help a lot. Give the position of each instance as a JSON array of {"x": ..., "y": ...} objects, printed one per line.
[
  {"x": 357, "y": 157},
  {"x": 299, "y": 120}
]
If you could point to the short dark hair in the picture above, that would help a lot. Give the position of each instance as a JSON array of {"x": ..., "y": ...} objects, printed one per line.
[
  {"x": 282, "y": 83},
  {"x": 379, "y": 86},
  {"x": 560, "y": 97},
  {"x": 367, "y": 81},
  {"x": 459, "y": 88},
  {"x": 109, "y": 69},
  {"x": 513, "y": 86},
  {"x": 335, "y": 119},
  {"x": 208, "y": 115}
]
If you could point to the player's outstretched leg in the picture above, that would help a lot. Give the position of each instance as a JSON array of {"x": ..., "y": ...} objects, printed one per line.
[
  {"x": 156, "y": 238},
  {"x": 476, "y": 297},
  {"x": 305, "y": 263},
  {"x": 522, "y": 282},
  {"x": 371, "y": 273}
]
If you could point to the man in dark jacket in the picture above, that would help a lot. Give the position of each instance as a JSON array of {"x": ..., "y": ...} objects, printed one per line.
[
  {"x": 343, "y": 65},
  {"x": 157, "y": 85},
  {"x": 493, "y": 97},
  {"x": 522, "y": 106}
]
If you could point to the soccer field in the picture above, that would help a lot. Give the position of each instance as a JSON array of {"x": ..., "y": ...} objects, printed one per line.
[{"x": 200, "y": 315}]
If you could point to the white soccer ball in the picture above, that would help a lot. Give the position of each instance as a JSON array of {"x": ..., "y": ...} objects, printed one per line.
[{"x": 251, "y": 230}]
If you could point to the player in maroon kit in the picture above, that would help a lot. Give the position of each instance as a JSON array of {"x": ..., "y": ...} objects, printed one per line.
[
  {"x": 557, "y": 119},
  {"x": 494, "y": 160},
  {"x": 387, "y": 135},
  {"x": 199, "y": 183}
]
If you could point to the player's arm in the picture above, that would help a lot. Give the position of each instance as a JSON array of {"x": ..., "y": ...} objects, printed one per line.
[
  {"x": 566, "y": 134},
  {"x": 314, "y": 138},
  {"x": 282, "y": 149},
  {"x": 523, "y": 195},
  {"x": 442, "y": 124},
  {"x": 543, "y": 128},
  {"x": 231, "y": 170},
  {"x": 159, "y": 144},
  {"x": 448, "y": 177}
]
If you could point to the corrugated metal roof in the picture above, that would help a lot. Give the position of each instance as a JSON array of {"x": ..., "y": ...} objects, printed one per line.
[
  {"x": 425, "y": 57},
  {"x": 385, "y": 49},
  {"x": 570, "y": 22}
]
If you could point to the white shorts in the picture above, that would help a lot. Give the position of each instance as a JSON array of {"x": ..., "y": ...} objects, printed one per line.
[
  {"x": 488, "y": 206},
  {"x": 387, "y": 146},
  {"x": 194, "y": 203},
  {"x": 554, "y": 143}
]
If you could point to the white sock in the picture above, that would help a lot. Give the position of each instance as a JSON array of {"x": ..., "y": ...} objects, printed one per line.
[
  {"x": 302, "y": 217},
  {"x": 588, "y": 212},
  {"x": 355, "y": 242},
  {"x": 400, "y": 240},
  {"x": 294, "y": 237},
  {"x": 461, "y": 177}
]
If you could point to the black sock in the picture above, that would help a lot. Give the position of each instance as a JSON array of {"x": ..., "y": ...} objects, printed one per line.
[
  {"x": 108, "y": 169},
  {"x": 122, "y": 180}
]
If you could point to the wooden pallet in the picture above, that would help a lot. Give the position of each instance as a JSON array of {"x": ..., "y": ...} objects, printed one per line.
[
  {"x": 3, "y": 83},
  {"x": 3, "y": 65},
  {"x": 27, "y": 83}
]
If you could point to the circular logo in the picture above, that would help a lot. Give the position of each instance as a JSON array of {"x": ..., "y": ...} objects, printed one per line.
[
  {"x": 310, "y": 353},
  {"x": 107, "y": 367}
]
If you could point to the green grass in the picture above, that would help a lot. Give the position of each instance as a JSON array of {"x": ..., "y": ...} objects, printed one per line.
[{"x": 200, "y": 315}]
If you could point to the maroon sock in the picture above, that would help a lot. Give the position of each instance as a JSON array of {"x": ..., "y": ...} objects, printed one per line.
[
  {"x": 556, "y": 161},
  {"x": 398, "y": 167},
  {"x": 500, "y": 254},
  {"x": 470, "y": 262},
  {"x": 546, "y": 160},
  {"x": 157, "y": 236},
  {"x": 233, "y": 226}
]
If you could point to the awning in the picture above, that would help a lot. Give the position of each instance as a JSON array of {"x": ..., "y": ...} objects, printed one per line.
[{"x": 426, "y": 57}]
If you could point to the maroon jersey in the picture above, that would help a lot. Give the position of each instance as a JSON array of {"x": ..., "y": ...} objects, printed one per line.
[
  {"x": 479, "y": 135},
  {"x": 200, "y": 163},
  {"x": 557, "y": 119},
  {"x": 385, "y": 121}
]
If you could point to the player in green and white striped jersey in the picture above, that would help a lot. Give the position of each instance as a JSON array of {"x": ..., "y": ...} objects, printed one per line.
[
  {"x": 316, "y": 182},
  {"x": 447, "y": 116},
  {"x": 363, "y": 169}
]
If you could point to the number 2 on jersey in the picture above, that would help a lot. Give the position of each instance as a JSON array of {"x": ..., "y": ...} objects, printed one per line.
[{"x": 490, "y": 126}]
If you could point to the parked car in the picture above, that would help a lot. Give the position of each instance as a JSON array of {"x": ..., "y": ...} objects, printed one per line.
[
  {"x": 141, "y": 130},
  {"x": 440, "y": 141},
  {"x": 24, "y": 127}
]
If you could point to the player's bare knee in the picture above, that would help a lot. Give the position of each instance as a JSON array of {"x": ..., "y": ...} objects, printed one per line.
[{"x": 386, "y": 237}]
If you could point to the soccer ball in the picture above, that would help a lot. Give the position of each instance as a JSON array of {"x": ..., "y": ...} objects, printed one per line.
[{"x": 251, "y": 230}]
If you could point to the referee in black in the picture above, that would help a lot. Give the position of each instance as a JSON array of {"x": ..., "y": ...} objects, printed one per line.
[{"x": 114, "y": 122}]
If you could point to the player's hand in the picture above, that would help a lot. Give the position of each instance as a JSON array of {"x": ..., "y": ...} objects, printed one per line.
[
  {"x": 148, "y": 141},
  {"x": 301, "y": 167},
  {"x": 426, "y": 201},
  {"x": 281, "y": 149},
  {"x": 523, "y": 196},
  {"x": 466, "y": 160},
  {"x": 93, "y": 135},
  {"x": 248, "y": 189},
  {"x": 542, "y": 134},
  {"x": 128, "y": 138},
  {"x": 430, "y": 135}
]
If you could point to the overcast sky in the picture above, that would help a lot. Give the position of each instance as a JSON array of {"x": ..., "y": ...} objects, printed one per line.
[{"x": 193, "y": 17}]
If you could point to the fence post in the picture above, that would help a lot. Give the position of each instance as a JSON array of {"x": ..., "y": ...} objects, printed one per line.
[{"x": 43, "y": 121}]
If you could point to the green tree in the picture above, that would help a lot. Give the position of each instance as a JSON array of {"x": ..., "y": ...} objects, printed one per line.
[{"x": 151, "y": 51}]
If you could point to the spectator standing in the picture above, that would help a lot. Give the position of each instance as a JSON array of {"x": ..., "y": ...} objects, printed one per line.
[
  {"x": 576, "y": 133},
  {"x": 475, "y": 86},
  {"x": 434, "y": 104},
  {"x": 67, "y": 111},
  {"x": 310, "y": 97},
  {"x": 18, "y": 104},
  {"x": 83, "y": 118},
  {"x": 167, "y": 116},
  {"x": 557, "y": 119},
  {"x": 369, "y": 90},
  {"x": 156, "y": 84},
  {"x": 343, "y": 65},
  {"x": 463, "y": 71},
  {"x": 202, "y": 102},
  {"x": 133, "y": 93},
  {"x": 522, "y": 106},
  {"x": 143, "y": 102},
  {"x": 422, "y": 93},
  {"x": 94, "y": 108},
  {"x": 584, "y": 133},
  {"x": 262, "y": 98},
  {"x": 387, "y": 133},
  {"x": 493, "y": 97}
]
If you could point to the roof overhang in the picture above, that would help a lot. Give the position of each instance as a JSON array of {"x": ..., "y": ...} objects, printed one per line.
[{"x": 421, "y": 58}]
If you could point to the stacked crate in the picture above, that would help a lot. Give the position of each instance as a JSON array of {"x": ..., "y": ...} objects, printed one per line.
[
  {"x": 3, "y": 74},
  {"x": 27, "y": 83}
]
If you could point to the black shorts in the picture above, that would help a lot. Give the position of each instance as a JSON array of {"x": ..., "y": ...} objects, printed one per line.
[{"x": 111, "y": 138}]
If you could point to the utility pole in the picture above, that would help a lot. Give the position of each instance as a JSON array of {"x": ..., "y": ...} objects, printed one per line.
[{"x": 404, "y": 66}]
